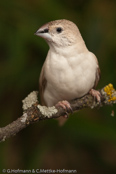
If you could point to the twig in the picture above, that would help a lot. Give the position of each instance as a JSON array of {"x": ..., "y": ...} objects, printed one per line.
[{"x": 34, "y": 112}]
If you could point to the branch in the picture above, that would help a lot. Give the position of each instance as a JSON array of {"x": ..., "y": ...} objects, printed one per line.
[{"x": 34, "y": 112}]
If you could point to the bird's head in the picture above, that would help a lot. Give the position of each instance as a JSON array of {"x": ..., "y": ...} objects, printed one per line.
[{"x": 60, "y": 33}]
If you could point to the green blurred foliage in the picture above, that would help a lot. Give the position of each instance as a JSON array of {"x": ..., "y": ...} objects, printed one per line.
[{"x": 87, "y": 142}]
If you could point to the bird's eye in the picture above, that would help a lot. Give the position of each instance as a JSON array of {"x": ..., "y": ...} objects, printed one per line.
[{"x": 59, "y": 30}]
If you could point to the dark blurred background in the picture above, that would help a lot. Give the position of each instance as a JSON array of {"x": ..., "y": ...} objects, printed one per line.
[{"x": 87, "y": 142}]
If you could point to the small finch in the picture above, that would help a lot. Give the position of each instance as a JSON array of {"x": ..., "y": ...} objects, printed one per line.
[{"x": 70, "y": 70}]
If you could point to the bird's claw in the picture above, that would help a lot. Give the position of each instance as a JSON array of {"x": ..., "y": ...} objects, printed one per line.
[
  {"x": 66, "y": 106},
  {"x": 96, "y": 94}
]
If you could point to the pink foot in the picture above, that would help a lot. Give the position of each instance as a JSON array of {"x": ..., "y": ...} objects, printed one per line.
[
  {"x": 65, "y": 105},
  {"x": 95, "y": 94}
]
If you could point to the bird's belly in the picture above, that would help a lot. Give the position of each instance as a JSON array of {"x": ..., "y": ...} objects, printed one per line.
[
  {"x": 68, "y": 84},
  {"x": 74, "y": 86}
]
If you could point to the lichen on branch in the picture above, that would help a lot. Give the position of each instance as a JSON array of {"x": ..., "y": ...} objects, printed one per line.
[{"x": 110, "y": 94}]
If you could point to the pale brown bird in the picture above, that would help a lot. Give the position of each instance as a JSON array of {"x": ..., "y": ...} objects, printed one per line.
[{"x": 70, "y": 70}]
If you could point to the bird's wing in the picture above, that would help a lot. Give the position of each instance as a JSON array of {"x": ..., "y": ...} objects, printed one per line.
[
  {"x": 42, "y": 85},
  {"x": 98, "y": 74}
]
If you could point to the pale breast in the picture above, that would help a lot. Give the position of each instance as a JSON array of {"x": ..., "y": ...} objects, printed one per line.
[{"x": 69, "y": 78}]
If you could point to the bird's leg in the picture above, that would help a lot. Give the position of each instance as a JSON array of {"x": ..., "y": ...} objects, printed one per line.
[
  {"x": 95, "y": 94},
  {"x": 65, "y": 105}
]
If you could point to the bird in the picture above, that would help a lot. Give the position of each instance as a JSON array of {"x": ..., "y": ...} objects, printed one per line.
[{"x": 70, "y": 70}]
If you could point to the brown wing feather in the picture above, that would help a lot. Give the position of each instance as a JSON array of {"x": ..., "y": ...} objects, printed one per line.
[
  {"x": 98, "y": 75},
  {"x": 42, "y": 86}
]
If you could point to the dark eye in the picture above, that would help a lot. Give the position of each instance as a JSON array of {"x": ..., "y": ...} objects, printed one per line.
[{"x": 59, "y": 30}]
